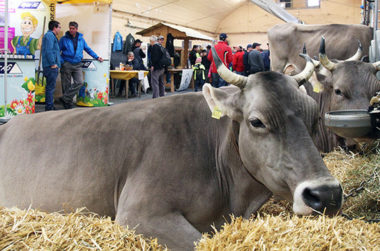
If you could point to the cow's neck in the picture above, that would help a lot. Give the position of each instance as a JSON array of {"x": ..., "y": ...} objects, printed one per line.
[{"x": 243, "y": 193}]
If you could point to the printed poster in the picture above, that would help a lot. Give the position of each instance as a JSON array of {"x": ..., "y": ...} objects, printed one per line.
[{"x": 25, "y": 32}]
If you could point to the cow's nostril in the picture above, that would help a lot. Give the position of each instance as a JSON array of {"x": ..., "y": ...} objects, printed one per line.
[
  {"x": 312, "y": 198},
  {"x": 323, "y": 199}
]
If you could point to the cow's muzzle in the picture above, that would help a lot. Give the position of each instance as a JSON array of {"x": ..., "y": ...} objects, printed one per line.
[{"x": 313, "y": 197}]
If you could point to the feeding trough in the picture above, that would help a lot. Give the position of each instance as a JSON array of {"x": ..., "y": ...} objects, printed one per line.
[{"x": 349, "y": 123}]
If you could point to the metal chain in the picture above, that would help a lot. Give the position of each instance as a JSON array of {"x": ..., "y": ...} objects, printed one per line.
[{"x": 355, "y": 192}]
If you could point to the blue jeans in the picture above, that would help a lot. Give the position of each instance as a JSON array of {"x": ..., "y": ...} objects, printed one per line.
[
  {"x": 217, "y": 81},
  {"x": 51, "y": 78}
]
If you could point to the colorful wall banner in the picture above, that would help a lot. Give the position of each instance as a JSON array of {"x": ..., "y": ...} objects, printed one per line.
[
  {"x": 25, "y": 31},
  {"x": 26, "y": 19},
  {"x": 25, "y": 26},
  {"x": 96, "y": 81},
  {"x": 21, "y": 87}
]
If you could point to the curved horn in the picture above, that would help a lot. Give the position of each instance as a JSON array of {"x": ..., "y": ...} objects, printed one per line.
[
  {"x": 307, "y": 71},
  {"x": 323, "y": 57},
  {"x": 376, "y": 65},
  {"x": 315, "y": 62},
  {"x": 358, "y": 53},
  {"x": 227, "y": 75}
]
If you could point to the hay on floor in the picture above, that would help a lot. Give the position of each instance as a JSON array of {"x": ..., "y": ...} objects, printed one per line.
[
  {"x": 33, "y": 229},
  {"x": 353, "y": 171},
  {"x": 293, "y": 233},
  {"x": 277, "y": 228}
]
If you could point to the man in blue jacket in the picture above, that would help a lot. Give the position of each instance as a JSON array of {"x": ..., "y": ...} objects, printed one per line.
[
  {"x": 72, "y": 45},
  {"x": 51, "y": 61}
]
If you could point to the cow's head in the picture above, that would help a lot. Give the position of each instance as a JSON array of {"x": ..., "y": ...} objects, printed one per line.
[
  {"x": 275, "y": 123},
  {"x": 350, "y": 84}
]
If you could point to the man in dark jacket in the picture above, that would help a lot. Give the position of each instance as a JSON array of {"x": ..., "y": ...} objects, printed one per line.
[
  {"x": 133, "y": 82},
  {"x": 194, "y": 54},
  {"x": 265, "y": 54},
  {"x": 139, "y": 54},
  {"x": 256, "y": 63},
  {"x": 72, "y": 45},
  {"x": 157, "y": 70},
  {"x": 245, "y": 59}
]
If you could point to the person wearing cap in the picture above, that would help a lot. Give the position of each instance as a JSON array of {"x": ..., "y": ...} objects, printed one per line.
[
  {"x": 255, "y": 61},
  {"x": 138, "y": 54},
  {"x": 245, "y": 59},
  {"x": 157, "y": 70},
  {"x": 225, "y": 54}
]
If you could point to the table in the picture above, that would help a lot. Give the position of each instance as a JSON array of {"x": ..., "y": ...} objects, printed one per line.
[
  {"x": 171, "y": 84},
  {"x": 126, "y": 75}
]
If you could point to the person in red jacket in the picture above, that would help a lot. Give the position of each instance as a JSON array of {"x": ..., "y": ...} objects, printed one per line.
[
  {"x": 238, "y": 62},
  {"x": 225, "y": 54}
]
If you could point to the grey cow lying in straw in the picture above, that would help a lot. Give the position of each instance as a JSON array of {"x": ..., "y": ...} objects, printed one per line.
[{"x": 173, "y": 172}]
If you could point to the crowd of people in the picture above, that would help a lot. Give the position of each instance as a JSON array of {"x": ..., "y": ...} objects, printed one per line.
[
  {"x": 66, "y": 54},
  {"x": 242, "y": 61}
]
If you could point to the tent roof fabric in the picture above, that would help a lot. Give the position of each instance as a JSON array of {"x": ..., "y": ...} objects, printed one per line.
[{"x": 182, "y": 32}]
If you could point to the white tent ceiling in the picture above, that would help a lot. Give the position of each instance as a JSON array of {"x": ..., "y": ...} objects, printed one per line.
[{"x": 202, "y": 14}]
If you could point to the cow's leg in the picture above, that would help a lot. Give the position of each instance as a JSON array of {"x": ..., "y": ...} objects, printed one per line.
[
  {"x": 171, "y": 229},
  {"x": 154, "y": 216}
]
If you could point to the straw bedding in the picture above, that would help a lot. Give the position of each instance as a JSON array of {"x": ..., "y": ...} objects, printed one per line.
[
  {"x": 273, "y": 228},
  {"x": 32, "y": 229},
  {"x": 293, "y": 233}
]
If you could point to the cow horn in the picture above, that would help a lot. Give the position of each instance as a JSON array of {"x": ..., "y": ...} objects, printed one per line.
[
  {"x": 315, "y": 62},
  {"x": 358, "y": 53},
  {"x": 323, "y": 57},
  {"x": 226, "y": 74},
  {"x": 376, "y": 65},
  {"x": 306, "y": 73}
]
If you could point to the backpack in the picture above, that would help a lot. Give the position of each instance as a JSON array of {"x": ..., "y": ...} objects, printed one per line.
[{"x": 165, "y": 60}]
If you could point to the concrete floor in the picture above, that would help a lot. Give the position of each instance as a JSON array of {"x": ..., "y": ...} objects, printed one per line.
[{"x": 113, "y": 100}]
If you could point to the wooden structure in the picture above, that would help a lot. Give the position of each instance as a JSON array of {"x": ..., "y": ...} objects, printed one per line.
[{"x": 178, "y": 32}]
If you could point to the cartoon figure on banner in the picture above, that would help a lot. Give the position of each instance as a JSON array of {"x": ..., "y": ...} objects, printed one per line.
[{"x": 25, "y": 44}]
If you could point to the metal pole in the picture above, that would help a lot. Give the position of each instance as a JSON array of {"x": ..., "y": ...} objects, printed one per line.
[{"x": 376, "y": 20}]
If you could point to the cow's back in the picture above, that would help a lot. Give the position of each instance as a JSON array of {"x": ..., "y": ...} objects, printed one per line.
[
  {"x": 287, "y": 40},
  {"x": 81, "y": 157}
]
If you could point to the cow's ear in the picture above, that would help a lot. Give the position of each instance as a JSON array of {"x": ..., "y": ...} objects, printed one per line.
[
  {"x": 290, "y": 69},
  {"x": 222, "y": 101}
]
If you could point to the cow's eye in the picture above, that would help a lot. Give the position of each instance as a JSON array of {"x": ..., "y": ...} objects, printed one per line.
[
  {"x": 257, "y": 123},
  {"x": 338, "y": 92}
]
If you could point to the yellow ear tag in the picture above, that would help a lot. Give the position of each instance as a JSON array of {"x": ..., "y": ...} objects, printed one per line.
[
  {"x": 216, "y": 113},
  {"x": 317, "y": 88}
]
